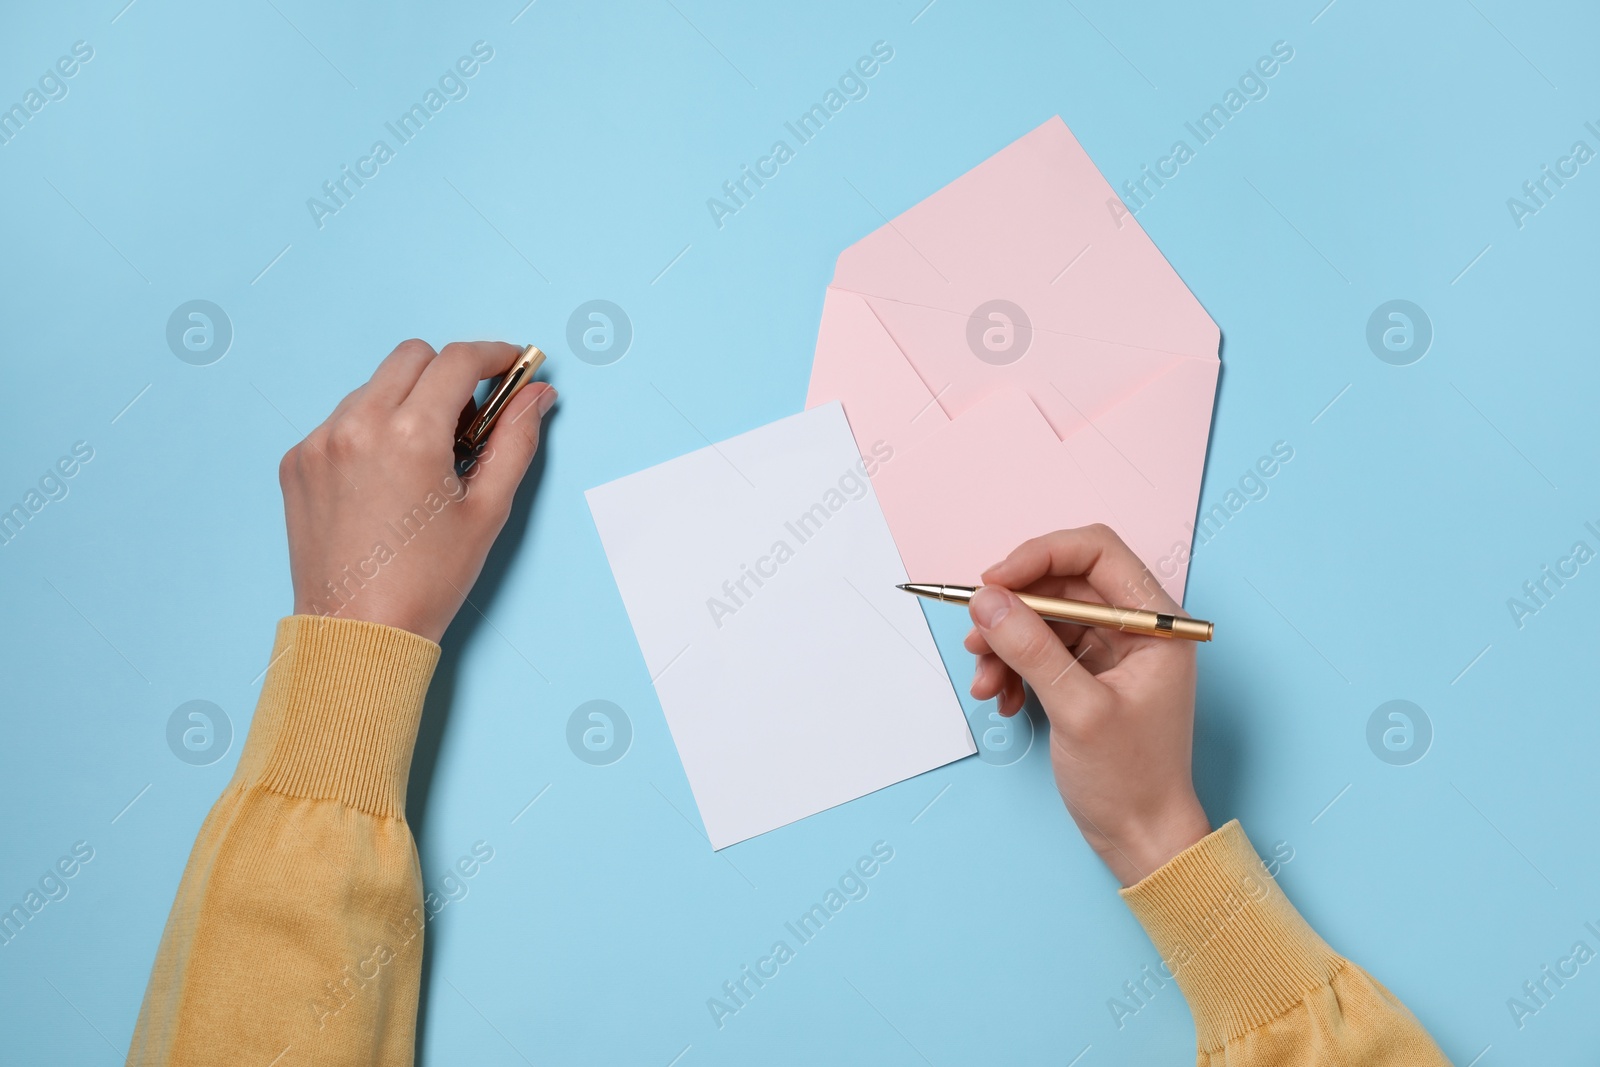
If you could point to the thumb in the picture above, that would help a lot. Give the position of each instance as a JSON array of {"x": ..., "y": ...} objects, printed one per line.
[
  {"x": 1026, "y": 643},
  {"x": 513, "y": 443}
]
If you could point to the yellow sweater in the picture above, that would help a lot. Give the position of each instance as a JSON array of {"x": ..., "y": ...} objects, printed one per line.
[{"x": 296, "y": 936}]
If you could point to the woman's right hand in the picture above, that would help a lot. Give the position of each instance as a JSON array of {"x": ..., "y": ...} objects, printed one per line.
[{"x": 1120, "y": 705}]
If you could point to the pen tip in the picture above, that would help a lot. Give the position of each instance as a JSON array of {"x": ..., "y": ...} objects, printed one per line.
[{"x": 903, "y": 586}]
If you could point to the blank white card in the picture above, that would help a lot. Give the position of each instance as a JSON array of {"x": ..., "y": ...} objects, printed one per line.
[{"x": 760, "y": 576}]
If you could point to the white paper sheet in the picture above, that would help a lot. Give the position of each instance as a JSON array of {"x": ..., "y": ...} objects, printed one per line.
[{"x": 760, "y": 576}]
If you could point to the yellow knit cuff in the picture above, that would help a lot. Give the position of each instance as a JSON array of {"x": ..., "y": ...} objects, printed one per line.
[
  {"x": 1240, "y": 951},
  {"x": 338, "y": 713}
]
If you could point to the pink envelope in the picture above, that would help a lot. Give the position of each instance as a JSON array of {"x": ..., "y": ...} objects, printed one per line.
[{"x": 1030, "y": 360}]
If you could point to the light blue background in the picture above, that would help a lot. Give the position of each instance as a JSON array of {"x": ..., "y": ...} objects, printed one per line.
[{"x": 1378, "y": 567}]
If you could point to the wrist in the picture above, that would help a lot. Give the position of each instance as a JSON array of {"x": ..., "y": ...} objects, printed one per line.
[
  {"x": 1139, "y": 848},
  {"x": 375, "y": 604}
]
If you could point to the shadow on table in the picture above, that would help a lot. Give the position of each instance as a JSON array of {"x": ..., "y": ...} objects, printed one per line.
[
  {"x": 1221, "y": 744},
  {"x": 441, "y": 694}
]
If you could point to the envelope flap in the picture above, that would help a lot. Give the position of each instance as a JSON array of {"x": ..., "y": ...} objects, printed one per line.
[
  {"x": 1036, "y": 225},
  {"x": 1070, "y": 378},
  {"x": 858, "y": 363},
  {"x": 992, "y": 479},
  {"x": 1146, "y": 455},
  {"x": 1162, "y": 430}
]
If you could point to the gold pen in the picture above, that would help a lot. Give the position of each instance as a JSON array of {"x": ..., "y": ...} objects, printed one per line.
[
  {"x": 1128, "y": 620},
  {"x": 520, "y": 374}
]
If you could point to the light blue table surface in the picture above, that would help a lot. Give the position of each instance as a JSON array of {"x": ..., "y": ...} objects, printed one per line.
[{"x": 1379, "y": 565}]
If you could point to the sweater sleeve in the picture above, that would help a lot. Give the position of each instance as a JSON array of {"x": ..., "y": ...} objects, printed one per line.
[
  {"x": 296, "y": 935},
  {"x": 1264, "y": 989}
]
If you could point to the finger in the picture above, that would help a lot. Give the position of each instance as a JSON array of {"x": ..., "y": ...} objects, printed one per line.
[
  {"x": 449, "y": 380},
  {"x": 1068, "y": 586},
  {"x": 993, "y": 680},
  {"x": 1011, "y": 696},
  {"x": 1114, "y": 573},
  {"x": 397, "y": 375},
  {"x": 1029, "y": 647},
  {"x": 512, "y": 444},
  {"x": 1072, "y": 635},
  {"x": 988, "y": 677}
]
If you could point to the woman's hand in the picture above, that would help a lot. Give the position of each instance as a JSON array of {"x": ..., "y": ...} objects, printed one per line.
[
  {"x": 1121, "y": 706},
  {"x": 380, "y": 526}
]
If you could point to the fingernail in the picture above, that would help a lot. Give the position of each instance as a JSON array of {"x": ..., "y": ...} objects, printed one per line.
[
  {"x": 989, "y": 606},
  {"x": 547, "y": 400}
]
